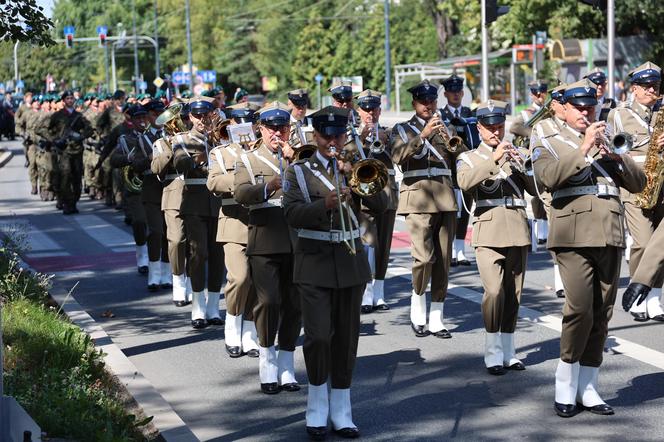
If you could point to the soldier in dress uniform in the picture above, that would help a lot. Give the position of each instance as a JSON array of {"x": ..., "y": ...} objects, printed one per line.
[
  {"x": 342, "y": 94},
  {"x": 232, "y": 232},
  {"x": 426, "y": 199},
  {"x": 378, "y": 227},
  {"x": 587, "y": 237},
  {"x": 200, "y": 211},
  {"x": 637, "y": 119},
  {"x": 258, "y": 176},
  {"x": 455, "y": 113},
  {"x": 545, "y": 128},
  {"x": 171, "y": 201},
  {"x": 604, "y": 104},
  {"x": 494, "y": 173},
  {"x": 159, "y": 269},
  {"x": 330, "y": 279},
  {"x": 131, "y": 151},
  {"x": 520, "y": 126},
  {"x": 301, "y": 129},
  {"x": 67, "y": 129}
]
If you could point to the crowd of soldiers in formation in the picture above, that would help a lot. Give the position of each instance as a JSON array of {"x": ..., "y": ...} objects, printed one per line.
[{"x": 275, "y": 212}]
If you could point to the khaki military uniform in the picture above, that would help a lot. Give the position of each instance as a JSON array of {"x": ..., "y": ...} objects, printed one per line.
[
  {"x": 199, "y": 210},
  {"x": 232, "y": 231},
  {"x": 268, "y": 248},
  {"x": 520, "y": 123},
  {"x": 378, "y": 227},
  {"x": 109, "y": 120},
  {"x": 20, "y": 123},
  {"x": 644, "y": 225},
  {"x": 171, "y": 200},
  {"x": 329, "y": 279},
  {"x": 129, "y": 144},
  {"x": 427, "y": 200},
  {"x": 604, "y": 108},
  {"x": 586, "y": 234},
  {"x": 500, "y": 233}
]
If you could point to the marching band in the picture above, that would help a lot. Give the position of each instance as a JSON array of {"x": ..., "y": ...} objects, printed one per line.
[{"x": 296, "y": 211}]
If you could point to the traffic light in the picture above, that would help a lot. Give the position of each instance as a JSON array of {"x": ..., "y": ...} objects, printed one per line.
[
  {"x": 493, "y": 11},
  {"x": 69, "y": 40}
]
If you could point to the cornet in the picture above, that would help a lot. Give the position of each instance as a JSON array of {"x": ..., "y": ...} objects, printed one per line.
[
  {"x": 620, "y": 143},
  {"x": 451, "y": 144}
]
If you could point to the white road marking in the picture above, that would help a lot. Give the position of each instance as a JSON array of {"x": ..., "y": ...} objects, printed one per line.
[
  {"x": 554, "y": 322},
  {"x": 38, "y": 242},
  {"x": 104, "y": 233}
]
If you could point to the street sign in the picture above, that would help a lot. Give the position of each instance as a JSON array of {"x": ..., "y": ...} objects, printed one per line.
[
  {"x": 143, "y": 85},
  {"x": 208, "y": 76},
  {"x": 20, "y": 84},
  {"x": 180, "y": 77},
  {"x": 102, "y": 30},
  {"x": 318, "y": 78},
  {"x": 158, "y": 82},
  {"x": 69, "y": 30},
  {"x": 541, "y": 37}
]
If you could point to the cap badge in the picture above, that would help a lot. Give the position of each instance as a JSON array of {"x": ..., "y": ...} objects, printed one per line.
[
  {"x": 330, "y": 117},
  {"x": 587, "y": 88},
  {"x": 490, "y": 105}
]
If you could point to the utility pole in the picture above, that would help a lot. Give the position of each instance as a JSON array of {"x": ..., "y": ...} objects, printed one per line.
[
  {"x": 485, "y": 54},
  {"x": 388, "y": 68},
  {"x": 611, "y": 37},
  {"x": 156, "y": 38},
  {"x": 136, "y": 79},
  {"x": 108, "y": 86},
  {"x": 189, "y": 56}
]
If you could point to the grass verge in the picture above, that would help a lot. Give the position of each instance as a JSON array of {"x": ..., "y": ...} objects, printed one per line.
[{"x": 52, "y": 368}]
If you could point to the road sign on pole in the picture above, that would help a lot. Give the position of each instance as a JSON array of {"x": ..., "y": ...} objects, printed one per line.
[{"x": 69, "y": 30}]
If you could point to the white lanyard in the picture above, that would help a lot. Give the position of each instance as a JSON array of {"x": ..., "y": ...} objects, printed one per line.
[
  {"x": 330, "y": 187},
  {"x": 428, "y": 145},
  {"x": 267, "y": 162}
]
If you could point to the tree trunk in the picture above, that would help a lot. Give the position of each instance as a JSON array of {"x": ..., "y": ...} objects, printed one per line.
[{"x": 444, "y": 26}]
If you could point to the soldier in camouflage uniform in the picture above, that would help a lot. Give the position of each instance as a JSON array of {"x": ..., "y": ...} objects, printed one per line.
[
  {"x": 67, "y": 129},
  {"x": 20, "y": 122},
  {"x": 47, "y": 165},
  {"x": 111, "y": 117}
]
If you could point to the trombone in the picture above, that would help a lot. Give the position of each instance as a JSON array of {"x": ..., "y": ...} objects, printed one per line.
[
  {"x": 377, "y": 147},
  {"x": 451, "y": 143},
  {"x": 345, "y": 228}
]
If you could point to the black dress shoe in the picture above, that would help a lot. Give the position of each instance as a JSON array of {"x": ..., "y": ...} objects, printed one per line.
[
  {"x": 317, "y": 433},
  {"x": 420, "y": 330},
  {"x": 541, "y": 241},
  {"x": 442, "y": 334},
  {"x": 367, "y": 309},
  {"x": 153, "y": 287},
  {"x": 292, "y": 387},
  {"x": 659, "y": 318},
  {"x": 348, "y": 433},
  {"x": 454, "y": 263},
  {"x": 199, "y": 323},
  {"x": 253, "y": 353},
  {"x": 560, "y": 293},
  {"x": 640, "y": 317},
  {"x": 517, "y": 366},
  {"x": 496, "y": 370},
  {"x": 603, "y": 409},
  {"x": 383, "y": 307},
  {"x": 270, "y": 388},
  {"x": 234, "y": 352},
  {"x": 565, "y": 410},
  {"x": 215, "y": 321},
  {"x": 181, "y": 303},
  {"x": 143, "y": 270},
  {"x": 464, "y": 262}
]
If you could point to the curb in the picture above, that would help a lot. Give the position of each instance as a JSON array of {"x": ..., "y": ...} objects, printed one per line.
[
  {"x": 5, "y": 156},
  {"x": 171, "y": 427}
]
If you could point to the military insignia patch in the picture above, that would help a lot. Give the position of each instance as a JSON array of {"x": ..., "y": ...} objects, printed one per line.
[{"x": 536, "y": 154}]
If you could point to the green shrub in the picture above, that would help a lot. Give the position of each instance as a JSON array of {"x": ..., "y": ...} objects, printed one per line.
[{"x": 52, "y": 368}]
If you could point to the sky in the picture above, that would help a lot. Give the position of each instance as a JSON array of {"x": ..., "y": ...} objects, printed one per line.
[{"x": 48, "y": 7}]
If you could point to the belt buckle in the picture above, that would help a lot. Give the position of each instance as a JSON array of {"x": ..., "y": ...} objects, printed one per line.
[
  {"x": 428, "y": 172},
  {"x": 334, "y": 237}
]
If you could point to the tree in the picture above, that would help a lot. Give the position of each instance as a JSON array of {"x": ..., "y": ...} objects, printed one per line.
[{"x": 24, "y": 20}]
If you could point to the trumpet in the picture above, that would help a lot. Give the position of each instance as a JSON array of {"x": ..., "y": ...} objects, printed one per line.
[
  {"x": 346, "y": 221},
  {"x": 450, "y": 143},
  {"x": 519, "y": 161},
  {"x": 621, "y": 142},
  {"x": 377, "y": 147}
]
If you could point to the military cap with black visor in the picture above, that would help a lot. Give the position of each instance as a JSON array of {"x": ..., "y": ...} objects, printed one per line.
[
  {"x": 342, "y": 91},
  {"x": 243, "y": 112},
  {"x": 299, "y": 97},
  {"x": 330, "y": 121},
  {"x": 424, "y": 91}
]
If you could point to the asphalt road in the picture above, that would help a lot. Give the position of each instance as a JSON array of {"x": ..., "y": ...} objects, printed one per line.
[{"x": 405, "y": 388}]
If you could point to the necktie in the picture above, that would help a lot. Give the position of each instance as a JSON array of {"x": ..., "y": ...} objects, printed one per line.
[{"x": 456, "y": 113}]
